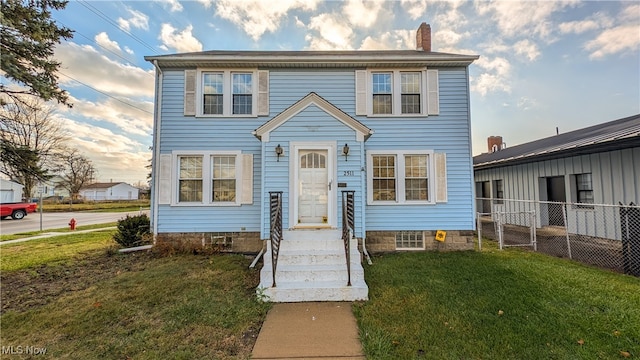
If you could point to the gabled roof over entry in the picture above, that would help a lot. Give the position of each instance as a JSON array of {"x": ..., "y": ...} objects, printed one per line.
[{"x": 362, "y": 132}]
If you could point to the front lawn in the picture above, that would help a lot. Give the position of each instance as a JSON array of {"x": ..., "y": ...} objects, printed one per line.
[{"x": 497, "y": 305}]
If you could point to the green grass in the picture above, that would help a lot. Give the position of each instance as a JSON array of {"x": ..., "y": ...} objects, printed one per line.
[
  {"x": 60, "y": 249},
  {"x": 496, "y": 305},
  {"x": 98, "y": 206},
  {"x": 60, "y": 230},
  {"x": 178, "y": 307}
]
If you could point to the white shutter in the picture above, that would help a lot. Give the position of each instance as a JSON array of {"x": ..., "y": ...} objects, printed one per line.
[
  {"x": 164, "y": 180},
  {"x": 247, "y": 179},
  {"x": 441, "y": 177},
  {"x": 190, "y": 92},
  {"x": 361, "y": 92},
  {"x": 433, "y": 93},
  {"x": 263, "y": 92}
]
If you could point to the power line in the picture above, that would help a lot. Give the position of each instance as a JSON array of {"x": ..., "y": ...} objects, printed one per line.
[
  {"x": 105, "y": 94},
  {"x": 96, "y": 11}
]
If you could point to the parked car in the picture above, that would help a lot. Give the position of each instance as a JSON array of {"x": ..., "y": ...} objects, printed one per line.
[{"x": 17, "y": 211}]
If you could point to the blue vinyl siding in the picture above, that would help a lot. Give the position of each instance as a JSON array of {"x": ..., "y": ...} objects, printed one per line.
[{"x": 447, "y": 133}]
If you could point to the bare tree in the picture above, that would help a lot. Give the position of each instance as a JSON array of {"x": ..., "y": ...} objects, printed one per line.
[
  {"x": 76, "y": 171},
  {"x": 29, "y": 127}
]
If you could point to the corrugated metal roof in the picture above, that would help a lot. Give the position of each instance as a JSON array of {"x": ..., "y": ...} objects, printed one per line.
[{"x": 619, "y": 133}]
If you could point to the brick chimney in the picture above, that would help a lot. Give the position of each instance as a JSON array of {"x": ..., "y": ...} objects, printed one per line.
[
  {"x": 423, "y": 37},
  {"x": 495, "y": 143}
]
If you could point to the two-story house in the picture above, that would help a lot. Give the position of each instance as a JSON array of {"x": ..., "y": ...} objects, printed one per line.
[{"x": 241, "y": 134}]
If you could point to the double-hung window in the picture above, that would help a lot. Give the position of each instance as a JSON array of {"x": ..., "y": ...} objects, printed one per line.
[
  {"x": 190, "y": 179},
  {"x": 224, "y": 178},
  {"x": 382, "y": 94},
  {"x": 227, "y": 93},
  {"x": 498, "y": 191},
  {"x": 411, "y": 92},
  {"x": 400, "y": 177},
  {"x": 584, "y": 188}
]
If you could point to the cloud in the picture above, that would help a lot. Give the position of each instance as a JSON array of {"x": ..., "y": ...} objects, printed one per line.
[
  {"x": 527, "y": 49},
  {"x": 390, "y": 40},
  {"x": 362, "y": 13},
  {"x": 625, "y": 37},
  {"x": 102, "y": 39},
  {"x": 110, "y": 153},
  {"x": 527, "y": 103},
  {"x": 183, "y": 41},
  {"x": 137, "y": 20},
  {"x": 523, "y": 17},
  {"x": 257, "y": 17},
  {"x": 334, "y": 34},
  {"x": 174, "y": 5},
  {"x": 595, "y": 22},
  {"x": 415, "y": 8},
  {"x": 85, "y": 64},
  {"x": 133, "y": 120},
  {"x": 448, "y": 38},
  {"x": 495, "y": 77},
  {"x": 615, "y": 40}
]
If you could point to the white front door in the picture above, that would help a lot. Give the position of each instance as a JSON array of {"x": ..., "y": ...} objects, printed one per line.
[{"x": 313, "y": 183}]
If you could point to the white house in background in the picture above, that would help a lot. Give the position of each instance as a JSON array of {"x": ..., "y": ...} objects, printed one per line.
[
  {"x": 109, "y": 191},
  {"x": 50, "y": 188},
  {"x": 10, "y": 191}
]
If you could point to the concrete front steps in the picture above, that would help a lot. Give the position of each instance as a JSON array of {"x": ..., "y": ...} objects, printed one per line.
[{"x": 312, "y": 267}]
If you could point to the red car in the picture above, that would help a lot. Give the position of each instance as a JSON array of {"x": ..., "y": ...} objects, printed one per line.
[{"x": 17, "y": 210}]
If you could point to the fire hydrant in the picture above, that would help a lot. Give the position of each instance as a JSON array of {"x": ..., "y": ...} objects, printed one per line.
[{"x": 72, "y": 224}]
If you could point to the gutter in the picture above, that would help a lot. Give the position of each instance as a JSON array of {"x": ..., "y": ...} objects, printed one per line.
[{"x": 155, "y": 158}]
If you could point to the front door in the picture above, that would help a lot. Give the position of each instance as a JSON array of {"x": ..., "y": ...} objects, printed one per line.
[{"x": 313, "y": 187}]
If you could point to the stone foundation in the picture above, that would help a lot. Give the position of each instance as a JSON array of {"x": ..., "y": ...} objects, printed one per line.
[
  {"x": 235, "y": 242},
  {"x": 385, "y": 241}
]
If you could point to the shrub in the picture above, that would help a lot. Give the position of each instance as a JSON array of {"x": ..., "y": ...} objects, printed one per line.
[{"x": 133, "y": 231}]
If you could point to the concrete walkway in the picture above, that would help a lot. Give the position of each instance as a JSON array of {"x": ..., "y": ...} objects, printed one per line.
[
  {"x": 309, "y": 330},
  {"x": 51, "y": 234}
]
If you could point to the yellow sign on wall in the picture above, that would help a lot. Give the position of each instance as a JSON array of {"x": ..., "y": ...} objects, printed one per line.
[{"x": 441, "y": 235}]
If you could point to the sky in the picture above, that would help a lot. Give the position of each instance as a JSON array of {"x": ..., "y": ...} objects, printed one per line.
[{"x": 543, "y": 64}]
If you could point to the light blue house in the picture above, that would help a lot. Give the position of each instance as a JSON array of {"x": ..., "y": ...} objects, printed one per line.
[{"x": 241, "y": 135}]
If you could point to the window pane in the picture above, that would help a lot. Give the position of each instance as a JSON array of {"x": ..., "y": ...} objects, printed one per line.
[
  {"x": 416, "y": 176},
  {"x": 409, "y": 240},
  {"x": 212, "y": 92},
  {"x": 585, "y": 188},
  {"x": 242, "y": 90},
  {"x": 190, "y": 190},
  {"x": 224, "y": 178},
  {"x": 190, "y": 179},
  {"x": 190, "y": 167},
  {"x": 382, "y": 98},
  {"x": 384, "y": 182},
  {"x": 410, "y": 89}
]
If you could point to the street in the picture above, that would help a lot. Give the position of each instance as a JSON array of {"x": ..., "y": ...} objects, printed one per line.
[{"x": 58, "y": 220}]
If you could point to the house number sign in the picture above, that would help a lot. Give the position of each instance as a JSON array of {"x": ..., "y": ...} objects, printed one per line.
[{"x": 349, "y": 173}]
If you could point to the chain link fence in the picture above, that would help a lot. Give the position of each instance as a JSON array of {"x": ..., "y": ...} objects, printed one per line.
[{"x": 607, "y": 236}]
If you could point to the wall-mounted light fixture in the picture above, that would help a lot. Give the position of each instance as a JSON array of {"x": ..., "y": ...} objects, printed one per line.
[
  {"x": 279, "y": 151},
  {"x": 345, "y": 152}
]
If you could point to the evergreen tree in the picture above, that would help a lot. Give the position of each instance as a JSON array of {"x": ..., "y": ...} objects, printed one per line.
[{"x": 27, "y": 39}]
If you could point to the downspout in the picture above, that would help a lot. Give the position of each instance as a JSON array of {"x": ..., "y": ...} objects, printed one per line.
[
  {"x": 363, "y": 184},
  {"x": 155, "y": 158}
]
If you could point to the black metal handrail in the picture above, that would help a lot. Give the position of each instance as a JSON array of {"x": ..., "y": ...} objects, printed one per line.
[
  {"x": 348, "y": 226},
  {"x": 275, "y": 228}
]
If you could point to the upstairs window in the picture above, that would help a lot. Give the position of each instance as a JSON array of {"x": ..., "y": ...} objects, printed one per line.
[
  {"x": 242, "y": 93},
  {"x": 382, "y": 96},
  {"x": 397, "y": 93},
  {"x": 213, "y": 93},
  {"x": 410, "y": 84}
]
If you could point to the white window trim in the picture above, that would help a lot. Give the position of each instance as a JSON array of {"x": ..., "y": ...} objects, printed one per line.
[
  {"x": 400, "y": 177},
  {"x": 207, "y": 173},
  {"x": 227, "y": 87},
  {"x": 396, "y": 92}
]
